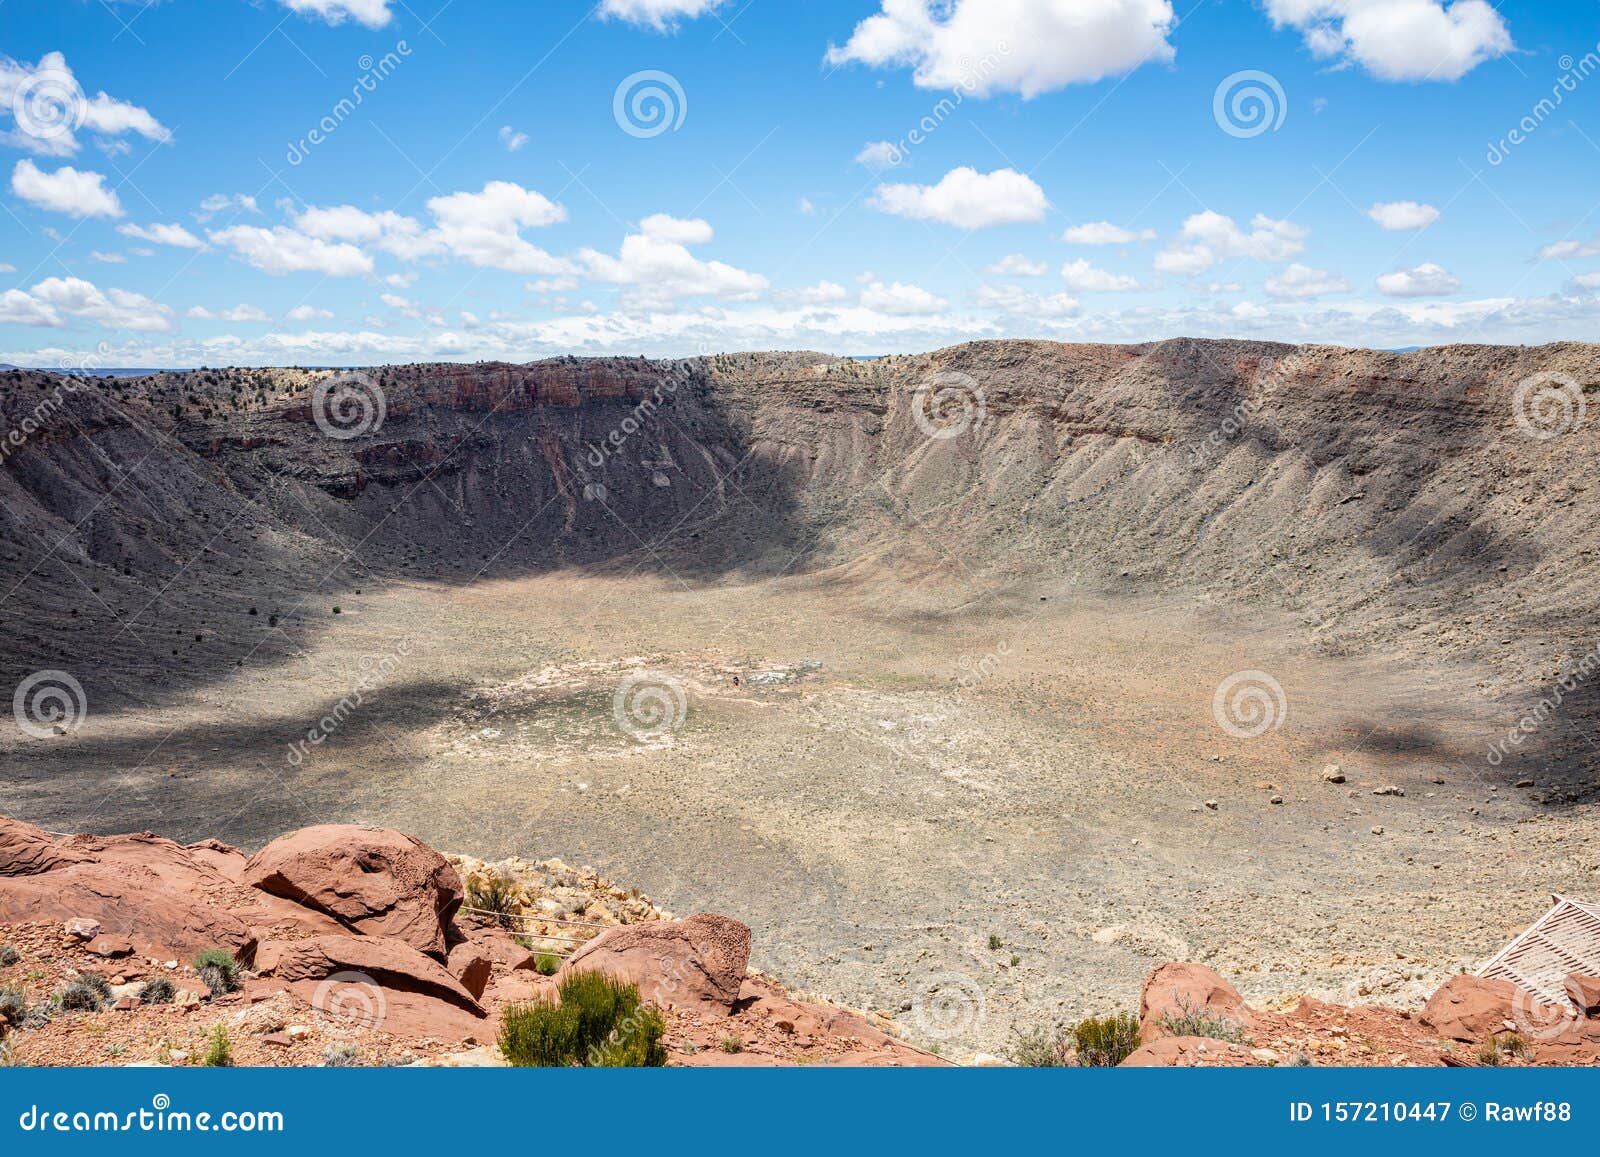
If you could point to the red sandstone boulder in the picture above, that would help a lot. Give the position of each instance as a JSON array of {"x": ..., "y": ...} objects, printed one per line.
[
  {"x": 1180, "y": 989},
  {"x": 1471, "y": 1008},
  {"x": 1584, "y": 992},
  {"x": 373, "y": 881},
  {"x": 1170, "y": 1052},
  {"x": 386, "y": 961},
  {"x": 698, "y": 963},
  {"x": 29, "y": 851},
  {"x": 472, "y": 966}
]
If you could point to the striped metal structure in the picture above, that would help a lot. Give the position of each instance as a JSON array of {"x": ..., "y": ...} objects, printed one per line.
[{"x": 1564, "y": 940}]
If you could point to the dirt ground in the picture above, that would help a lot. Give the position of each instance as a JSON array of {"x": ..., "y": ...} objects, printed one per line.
[{"x": 970, "y": 801}]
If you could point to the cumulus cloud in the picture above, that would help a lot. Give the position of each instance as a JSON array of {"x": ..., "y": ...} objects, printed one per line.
[
  {"x": 282, "y": 250},
  {"x": 1105, "y": 233},
  {"x": 1023, "y": 46},
  {"x": 372, "y": 13},
  {"x": 822, "y": 293},
  {"x": 879, "y": 155},
  {"x": 1018, "y": 302},
  {"x": 656, "y": 265},
  {"x": 221, "y": 202},
  {"x": 484, "y": 228},
  {"x": 662, "y": 15},
  {"x": 307, "y": 313},
  {"x": 1399, "y": 39},
  {"x": 967, "y": 199},
  {"x": 1561, "y": 250},
  {"x": 1400, "y": 215},
  {"x": 512, "y": 139},
  {"x": 1297, "y": 280},
  {"x": 1016, "y": 265},
  {"x": 175, "y": 235},
  {"x": 1085, "y": 278},
  {"x": 1426, "y": 280},
  {"x": 56, "y": 301},
  {"x": 900, "y": 300},
  {"x": 1209, "y": 237},
  {"x": 67, "y": 190},
  {"x": 48, "y": 106}
]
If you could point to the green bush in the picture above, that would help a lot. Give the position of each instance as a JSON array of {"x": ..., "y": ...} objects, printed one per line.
[
  {"x": 218, "y": 970},
  {"x": 157, "y": 991},
  {"x": 599, "y": 1022},
  {"x": 497, "y": 895},
  {"x": 1043, "y": 1048},
  {"x": 1190, "y": 1021},
  {"x": 1106, "y": 1041},
  {"x": 86, "y": 992},
  {"x": 219, "y": 1049},
  {"x": 547, "y": 963}
]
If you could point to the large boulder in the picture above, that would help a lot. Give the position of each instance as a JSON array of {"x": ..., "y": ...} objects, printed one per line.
[
  {"x": 29, "y": 851},
  {"x": 388, "y": 961},
  {"x": 1179, "y": 990},
  {"x": 698, "y": 963},
  {"x": 1472, "y": 1008},
  {"x": 373, "y": 881},
  {"x": 1584, "y": 992}
]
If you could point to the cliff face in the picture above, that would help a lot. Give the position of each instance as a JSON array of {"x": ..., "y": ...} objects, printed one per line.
[{"x": 1395, "y": 501}]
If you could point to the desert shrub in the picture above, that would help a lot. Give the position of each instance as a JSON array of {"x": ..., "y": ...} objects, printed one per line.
[
  {"x": 1190, "y": 1021},
  {"x": 547, "y": 963},
  {"x": 157, "y": 991},
  {"x": 599, "y": 1022},
  {"x": 1043, "y": 1048},
  {"x": 86, "y": 992},
  {"x": 1496, "y": 1049},
  {"x": 732, "y": 1044},
  {"x": 9, "y": 955},
  {"x": 13, "y": 1007},
  {"x": 219, "y": 1049},
  {"x": 9, "y": 1056},
  {"x": 340, "y": 1056},
  {"x": 995, "y": 943},
  {"x": 497, "y": 895},
  {"x": 218, "y": 970},
  {"x": 1106, "y": 1041}
]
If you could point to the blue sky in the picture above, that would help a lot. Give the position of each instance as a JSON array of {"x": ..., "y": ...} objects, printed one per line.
[{"x": 168, "y": 199}]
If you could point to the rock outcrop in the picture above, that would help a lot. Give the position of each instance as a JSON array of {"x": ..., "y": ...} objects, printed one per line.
[{"x": 697, "y": 963}]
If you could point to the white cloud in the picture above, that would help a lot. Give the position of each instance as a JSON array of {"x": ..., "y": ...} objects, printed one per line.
[
  {"x": 879, "y": 155},
  {"x": 1587, "y": 281},
  {"x": 1561, "y": 250},
  {"x": 1018, "y": 302},
  {"x": 1426, "y": 280},
  {"x": 282, "y": 250},
  {"x": 899, "y": 299},
  {"x": 108, "y": 258},
  {"x": 1024, "y": 46},
  {"x": 220, "y": 202},
  {"x": 1399, "y": 39},
  {"x": 307, "y": 313},
  {"x": 67, "y": 190},
  {"x": 1209, "y": 237},
  {"x": 822, "y": 293},
  {"x": 372, "y": 13},
  {"x": 48, "y": 106},
  {"x": 1398, "y": 215},
  {"x": 967, "y": 199},
  {"x": 662, "y": 15},
  {"x": 1105, "y": 233},
  {"x": 237, "y": 313},
  {"x": 1298, "y": 280},
  {"x": 175, "y": 235},
  {"x": 484, "y": 228},
  {"x": 56, "y": 300},
  {"x": 1085, "y": 278},
  {"x": 657, "y": 266},
  {"x": 805, "y": 207},
  {"x": 1016, "y": 265},
  {"x": 512, "y": 139}
]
